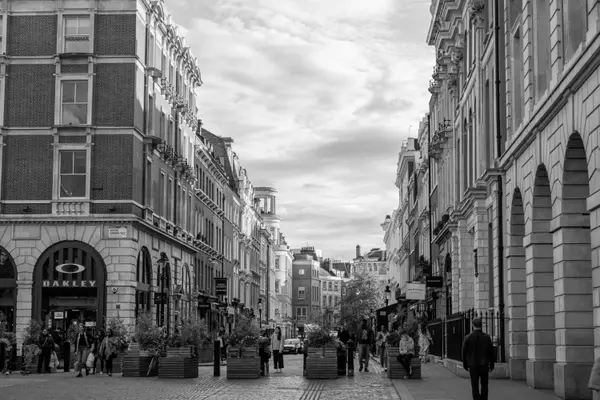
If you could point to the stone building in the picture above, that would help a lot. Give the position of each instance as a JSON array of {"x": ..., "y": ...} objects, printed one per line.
[
  {"x": 91, "y": 119},
  {"x": 514, "y": 120}
]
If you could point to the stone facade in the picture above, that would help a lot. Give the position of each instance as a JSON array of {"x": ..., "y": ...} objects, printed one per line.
[{"x": 537, "y": 257}]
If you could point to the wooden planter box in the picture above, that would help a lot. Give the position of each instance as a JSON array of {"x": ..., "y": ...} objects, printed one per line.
[
  {"x": 180, "y": 352},
  {"x": 322, "y": 363},
  {"x": 32, "y": 366},
  {"x": 117, "y": 364},
  {"x": 396, "y": 370},
  {"x": 243, "y": 363},
  {"x": 178, "y": 368},
  {"x": 135, "y": 367},
  {"x": 205, "y": 355}
]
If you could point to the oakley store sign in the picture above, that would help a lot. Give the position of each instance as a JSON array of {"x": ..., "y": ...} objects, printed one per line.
[
  {"x": 69, "y": 272},
  {"x": 63, "y": 284}
]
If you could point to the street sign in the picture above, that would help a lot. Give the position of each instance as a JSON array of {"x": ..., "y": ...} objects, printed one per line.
[
  {"x": 221, "y": 286},
  {"x": 434, "y": 281}
]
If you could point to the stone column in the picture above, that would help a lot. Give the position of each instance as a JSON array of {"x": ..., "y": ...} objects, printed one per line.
[
  {"x": 573, "y": 305},
  {"x": 540, "y": 308},
  {"x": 481, "y": 282},
  {"x": 467, "y": 272},
  {"x": 593, "y": 205},
  {"x": 516, "y": 308},
  {"x": 455, "y": 273},
  {"x": 23, "y": 308}
]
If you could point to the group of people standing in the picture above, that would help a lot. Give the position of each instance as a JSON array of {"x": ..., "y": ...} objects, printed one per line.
[
  {"x": 371, "y": 344},
  {"x": 88, "y": 350}
]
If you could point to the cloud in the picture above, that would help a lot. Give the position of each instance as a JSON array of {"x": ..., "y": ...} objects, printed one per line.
[{"x": 318, "y": 96}]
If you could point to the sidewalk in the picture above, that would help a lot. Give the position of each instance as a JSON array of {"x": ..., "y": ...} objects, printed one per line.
[{"x": 439, "y": 383}]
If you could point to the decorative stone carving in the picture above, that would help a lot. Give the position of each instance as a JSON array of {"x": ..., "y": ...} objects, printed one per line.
[{"x": 476, "y": 9}]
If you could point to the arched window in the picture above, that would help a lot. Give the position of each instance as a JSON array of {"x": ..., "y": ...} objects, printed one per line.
[
  {"x": 162, "y": 300},
  {"x": 8, "y": 284},
  {"x": 186, "y": 283},
  {"x": 144, "y": 281}
]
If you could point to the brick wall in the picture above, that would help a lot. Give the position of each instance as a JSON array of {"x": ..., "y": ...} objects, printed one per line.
[
  {"x": 30, "y": 95},
  {"x": 138, "y": 176},
  {"x": 114, "y": 94},
  {"x": 32, "y": 35},
  {"x": 112, "y": 176},
  {"x": 27, "y": 168},
  {"x": 115, "y": 35}
]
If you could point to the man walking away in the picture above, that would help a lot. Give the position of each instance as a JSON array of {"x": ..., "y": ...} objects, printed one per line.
[
  {"x": 365, "y": 341},
  {"x": 478, "y": 358}
]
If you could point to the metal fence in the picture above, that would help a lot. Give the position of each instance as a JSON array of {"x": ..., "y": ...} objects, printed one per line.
[{"x": 448, "y": 334}]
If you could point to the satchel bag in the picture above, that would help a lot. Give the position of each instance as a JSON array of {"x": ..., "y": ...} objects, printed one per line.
[{"x": 90, "y": 361}]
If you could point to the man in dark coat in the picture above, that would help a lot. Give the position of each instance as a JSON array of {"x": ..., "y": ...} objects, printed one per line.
[{"x": 478, "y": 358}]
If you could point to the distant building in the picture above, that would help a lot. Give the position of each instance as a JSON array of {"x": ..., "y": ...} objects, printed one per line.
[{"x": 306, "y": 295}]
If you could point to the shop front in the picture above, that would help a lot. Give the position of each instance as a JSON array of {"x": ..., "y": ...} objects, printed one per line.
[
  {"x": 69, "y": 286},
  {"x": 8, "y": 289}
]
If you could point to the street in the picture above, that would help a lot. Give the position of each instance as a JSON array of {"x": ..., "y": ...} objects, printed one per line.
[{"x": 288, "y": 385}]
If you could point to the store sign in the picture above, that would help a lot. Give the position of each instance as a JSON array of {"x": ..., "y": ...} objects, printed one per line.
[
  {"x": 117, "y": 233},
  {"x": 221, "y": 286},
  {"x": 64, "y": 284},
  {"x": 59, "y": 315},
  {"x": 415, "y": 291},
  {"x": 434, "y": 281},
  {"x": 70, "y": 268}
]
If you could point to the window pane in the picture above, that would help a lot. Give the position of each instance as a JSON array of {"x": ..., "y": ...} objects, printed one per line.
[
  {"x": 72, "y": 185},
  {"x": 70, "y": 25},
  {"x": 66, "y": 162},
  {"x": 79, "y": 162},
  {"x": 81, "y": 92},
  {"x": 85, "y": 26},
  {"x": 75, "y": 114},
  {"x": 68, "y": 92}
]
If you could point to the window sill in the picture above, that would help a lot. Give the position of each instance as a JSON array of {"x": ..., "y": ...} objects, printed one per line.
[
  {"x": 74, "y": 55},
  {"x": 71, "y": 126}
]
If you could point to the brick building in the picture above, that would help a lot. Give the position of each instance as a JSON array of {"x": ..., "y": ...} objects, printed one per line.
[
  {"x": 98, "y": 128},
  {"x": 514, "y": 125}
]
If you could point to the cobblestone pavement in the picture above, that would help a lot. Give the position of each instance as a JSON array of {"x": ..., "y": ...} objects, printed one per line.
[{"x": 288, "y": 385}]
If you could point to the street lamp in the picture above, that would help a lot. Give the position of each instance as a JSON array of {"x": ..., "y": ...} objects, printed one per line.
[
  {"x": 388, "y": 295},
  {"x": 260, "y": 313},
  {"x": 161, "y": 264}
]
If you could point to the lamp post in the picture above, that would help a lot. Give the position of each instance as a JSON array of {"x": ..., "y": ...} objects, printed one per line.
[
  {"x": 162, "y": 263},
  {"x": 388, "y": 295},
  {"x": 260, "y": 313}
]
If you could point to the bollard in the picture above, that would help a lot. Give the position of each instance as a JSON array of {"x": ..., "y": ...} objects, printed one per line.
[
  {"x": 66, "y": 355},
  {"x": 217, "y": 358},
  {"x": 350, "y": 357}
]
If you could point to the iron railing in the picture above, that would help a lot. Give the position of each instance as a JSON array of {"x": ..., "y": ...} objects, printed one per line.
[{"x": 448, "y": 334}]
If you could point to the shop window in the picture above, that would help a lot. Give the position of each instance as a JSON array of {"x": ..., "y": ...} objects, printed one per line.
[
  {"x": 8, "y": 284},
  {"x": 77, "y": 34},
  {"x": 74, "y": 102},
  {"x": 73, "y": 174},
  {"x": 144, "y": 281}
]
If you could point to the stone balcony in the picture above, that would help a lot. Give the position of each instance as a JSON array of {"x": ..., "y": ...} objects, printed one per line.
[{"x": 71, "y": 208}]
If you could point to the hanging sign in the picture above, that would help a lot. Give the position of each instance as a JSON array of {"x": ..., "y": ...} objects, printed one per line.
[
  {"x": 221, "y": 286},
  {"x": 69, "y": 284},
  {"x": 415, "y": 291}
]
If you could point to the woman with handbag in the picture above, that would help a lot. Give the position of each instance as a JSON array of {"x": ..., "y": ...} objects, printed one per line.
[
  {"x": 108, "y": 350},
  {"x": 277, "y": 347},
  {"x": 97, "y": 342},
  {"x": 82, "y": 350}
]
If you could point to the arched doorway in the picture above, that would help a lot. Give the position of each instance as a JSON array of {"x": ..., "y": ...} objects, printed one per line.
[
  {"x": 162, "y": 299},
  {"x": 69, "y": 284},
  {"x": 517, "y": 292},
  {"x": 8, "y": 286},
  {"x": 144, "y": 282}
]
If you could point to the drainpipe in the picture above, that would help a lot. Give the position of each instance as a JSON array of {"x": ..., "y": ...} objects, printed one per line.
[
  {"x": 499, "y": 191},
  {"x": 145, "y": 116}
]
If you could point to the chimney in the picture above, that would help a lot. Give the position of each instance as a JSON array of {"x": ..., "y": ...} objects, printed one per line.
[{"x": 357, "y": 251}]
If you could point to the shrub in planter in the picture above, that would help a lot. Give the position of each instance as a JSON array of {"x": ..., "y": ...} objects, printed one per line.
[
  {"x": 31, "y": 350},
  {"x": 151, "y": 341},
  {"x": 7, "y": 340},
  {"x": 321, "y": 362},
  {"x": 195, "y": 333},
  {"x": 242, "y": 351}
]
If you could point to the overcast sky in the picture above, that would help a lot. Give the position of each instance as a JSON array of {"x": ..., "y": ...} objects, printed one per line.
[{"x": 318, "y": 96}]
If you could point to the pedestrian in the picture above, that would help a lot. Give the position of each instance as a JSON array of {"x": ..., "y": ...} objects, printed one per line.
[
  {"x": 424, "y": 342},
  {"x": 379, "y": 339},
  {"x": 46, "y": 344},
  {"x": 97, "y": 343},
  {"x": 594, "y": 382},
  {"x": 478, "y": 358},
  {"x": 108, "y": 350},
  {"x": 264, "y": 352},
  {"x": 222, "y": 338},
  {"x": 277, "y": 347},
  {"x": 344, "y": 335},
  {"x": 365, "y": 342},
  {"x": 383, "y": 348},
  {"x": 406, "y": 351},
  {"x": 82, "y": 349}
]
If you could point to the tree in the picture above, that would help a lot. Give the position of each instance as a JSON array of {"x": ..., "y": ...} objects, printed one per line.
[{"x": 363, "y": 294}]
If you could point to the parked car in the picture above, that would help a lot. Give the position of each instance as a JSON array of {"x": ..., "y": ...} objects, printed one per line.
[{"x": 292, "y": 346}]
